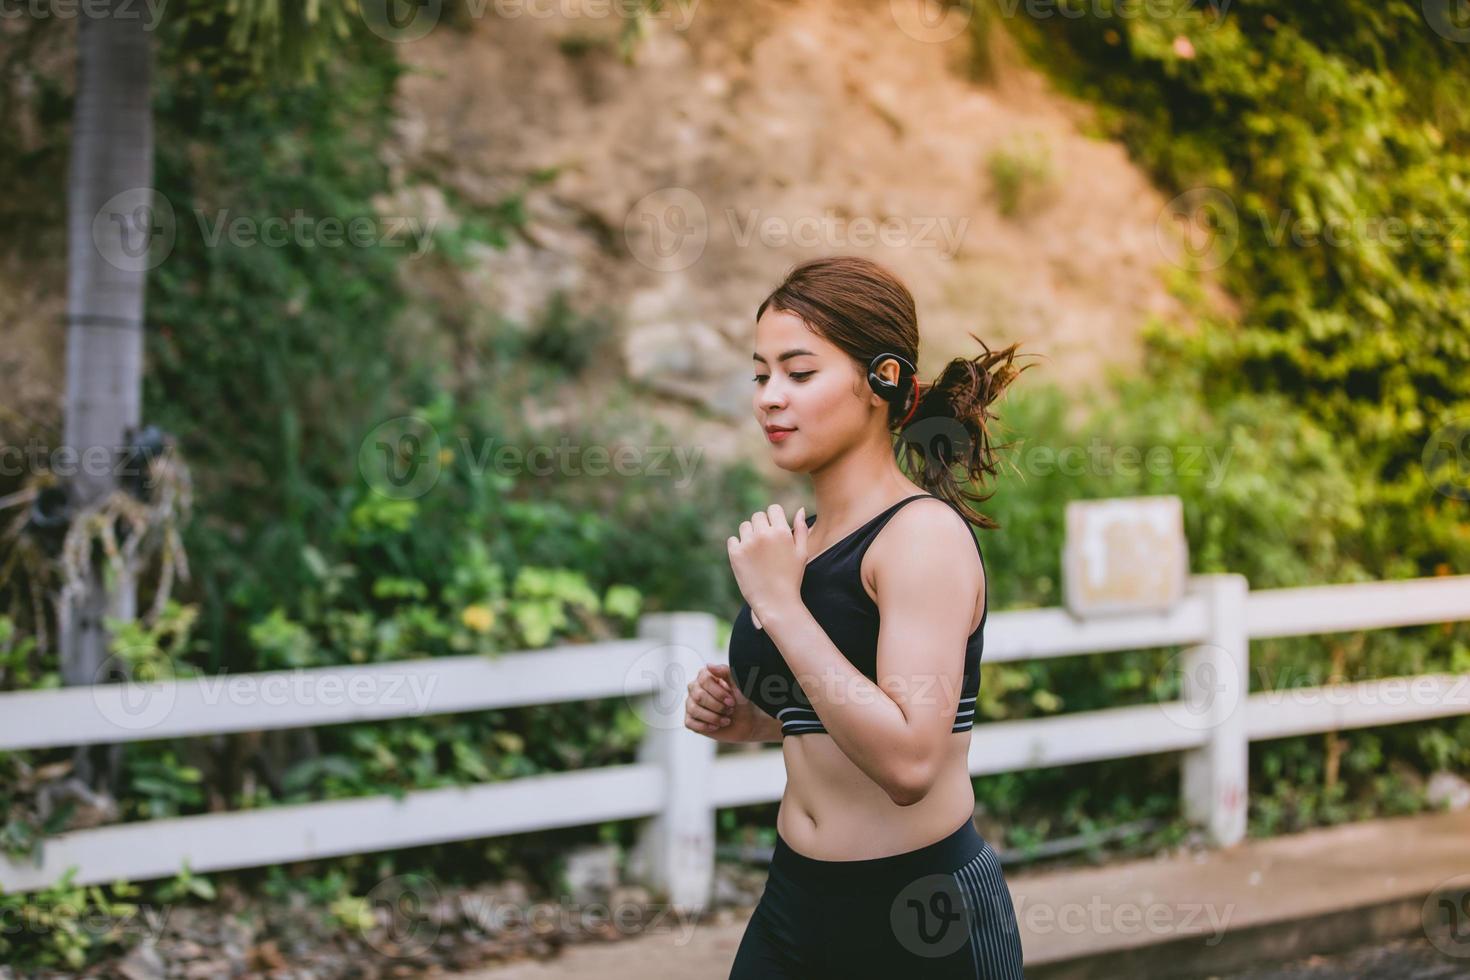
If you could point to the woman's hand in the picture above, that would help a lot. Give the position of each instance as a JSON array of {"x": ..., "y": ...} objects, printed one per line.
[
  {"x": 769, "y": 558},
  {"x": 715, "y": 707}
]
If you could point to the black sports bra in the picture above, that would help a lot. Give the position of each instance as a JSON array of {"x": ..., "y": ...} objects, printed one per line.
[{"x": 832, "y": 588}]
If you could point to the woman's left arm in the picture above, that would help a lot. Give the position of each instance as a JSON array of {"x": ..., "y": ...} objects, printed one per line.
[{"x": 894, "y": 730}]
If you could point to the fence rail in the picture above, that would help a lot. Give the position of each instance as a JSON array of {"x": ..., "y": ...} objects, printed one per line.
[
  {"x": 679, "y": 781},
  {"x": 268, "y": 700}
]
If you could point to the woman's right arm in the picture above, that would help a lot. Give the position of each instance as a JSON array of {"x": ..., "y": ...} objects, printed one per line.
[
  {"x": 767, "y": 729},
  {"x": 715, "y": 708}
]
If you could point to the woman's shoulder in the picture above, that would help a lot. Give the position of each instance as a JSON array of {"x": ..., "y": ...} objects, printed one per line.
[
  {"x": 930, "y": 512},
  {"x": 933, "y": 526}
]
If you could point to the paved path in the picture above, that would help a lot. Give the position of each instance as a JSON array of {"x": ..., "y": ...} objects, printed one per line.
[
  {"x": 1269, "y": 896},
  {"x": 1403, "y": 959}
]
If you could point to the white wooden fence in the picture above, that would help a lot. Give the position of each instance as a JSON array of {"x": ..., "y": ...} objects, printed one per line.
[{"x": 678, "y": 782}]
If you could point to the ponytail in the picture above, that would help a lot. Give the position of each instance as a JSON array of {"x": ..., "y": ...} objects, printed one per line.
[{"x": 951, "y": 424}]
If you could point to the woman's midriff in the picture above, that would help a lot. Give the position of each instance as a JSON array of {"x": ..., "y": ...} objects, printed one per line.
[{"x": 833, "y": 811}]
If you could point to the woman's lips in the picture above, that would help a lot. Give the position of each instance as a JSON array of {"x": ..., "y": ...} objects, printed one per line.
[{"x": 778, "y": 435}]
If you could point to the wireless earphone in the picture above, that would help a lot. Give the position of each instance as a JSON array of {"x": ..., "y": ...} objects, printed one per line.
[{"x": 891, "y": 391}]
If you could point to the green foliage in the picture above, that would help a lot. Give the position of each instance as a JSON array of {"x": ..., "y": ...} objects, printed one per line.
[
  {"x": 1289, "y": 793},
  {"x": 22, "y": 829},
  {"x": 1319, "y": 126},
  {"x": 1042, "y": 804},
  {"x": 155, "y": 650},
  {"x": 289, "y": 362},
  {"x": 274, "y": 361},
  {"x": 34, "y": 142},
  {"x": 66, "y": 926},
  {"x": 161, "y": 787},
  {"x": 19, "y": 670},
  {"x": 354, "y": 912},
  {"x": 185, "y": 885},
  {"x": 480, "y": 225},
  {"x": 1336, "y": 133},
  {"x": 1155, "y": 436},
  {"x": 281, "y": 643},
  {"x": 567, "y": 340},
  {"x": 269, "y": 354},
  {"x": 318, "y": 889},
  {"x": 1020, "y": 174},
  {"x": 244, "y": 45},
  {"x": 484, "y": 562},
  {"x": 635, "y": 26}
]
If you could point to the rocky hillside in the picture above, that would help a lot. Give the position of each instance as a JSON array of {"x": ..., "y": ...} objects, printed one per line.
[
  {"x": 743, "y": 137},
  {"x": 753, "y": 134}
]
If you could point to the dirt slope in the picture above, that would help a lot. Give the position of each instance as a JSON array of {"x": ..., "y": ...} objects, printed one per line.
[{"x": 749, "y": 135}]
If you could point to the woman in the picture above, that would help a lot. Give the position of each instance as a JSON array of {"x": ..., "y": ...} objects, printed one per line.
[{"x": 859, "y": 650}]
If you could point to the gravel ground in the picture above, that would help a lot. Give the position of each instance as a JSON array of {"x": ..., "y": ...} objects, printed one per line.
[{"x": 1407, "y": 959}]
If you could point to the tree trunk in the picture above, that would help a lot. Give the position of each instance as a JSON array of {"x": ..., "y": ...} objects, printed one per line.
[{"x": 109, "y": 219}]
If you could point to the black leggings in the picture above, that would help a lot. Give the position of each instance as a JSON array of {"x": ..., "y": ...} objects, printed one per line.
[{"x": 942, "y": 911}]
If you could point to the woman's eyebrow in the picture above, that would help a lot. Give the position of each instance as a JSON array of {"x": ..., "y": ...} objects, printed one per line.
[{"x": 786, "y": 356}]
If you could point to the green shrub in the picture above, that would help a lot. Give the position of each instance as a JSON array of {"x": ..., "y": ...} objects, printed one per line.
[{"x": 1020, "y": 175}]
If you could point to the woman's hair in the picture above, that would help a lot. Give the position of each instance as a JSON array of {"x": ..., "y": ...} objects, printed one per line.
[{"x": 864, "y": 309}]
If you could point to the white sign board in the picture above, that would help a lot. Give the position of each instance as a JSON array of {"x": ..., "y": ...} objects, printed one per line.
[{"x": 1124, "y": 555}]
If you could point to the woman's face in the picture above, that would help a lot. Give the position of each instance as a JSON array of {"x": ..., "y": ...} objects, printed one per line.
[{"x": 805, "y": 383}]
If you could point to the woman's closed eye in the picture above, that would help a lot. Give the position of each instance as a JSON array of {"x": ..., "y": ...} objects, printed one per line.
[{"x": 798, "y": 375}]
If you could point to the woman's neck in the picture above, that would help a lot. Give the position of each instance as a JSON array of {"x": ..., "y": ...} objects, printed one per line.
[{"x": 858, "y": 485}]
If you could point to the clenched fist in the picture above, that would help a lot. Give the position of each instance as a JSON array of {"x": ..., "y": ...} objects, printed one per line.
[
  {"x": 768, "y": 558},
  {"x": 715, "y": 707}
]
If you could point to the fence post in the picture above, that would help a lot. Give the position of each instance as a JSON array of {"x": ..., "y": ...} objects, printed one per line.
[
  {"x": 676, "y": 848},
  {"x": 1216, "y": 682}
]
